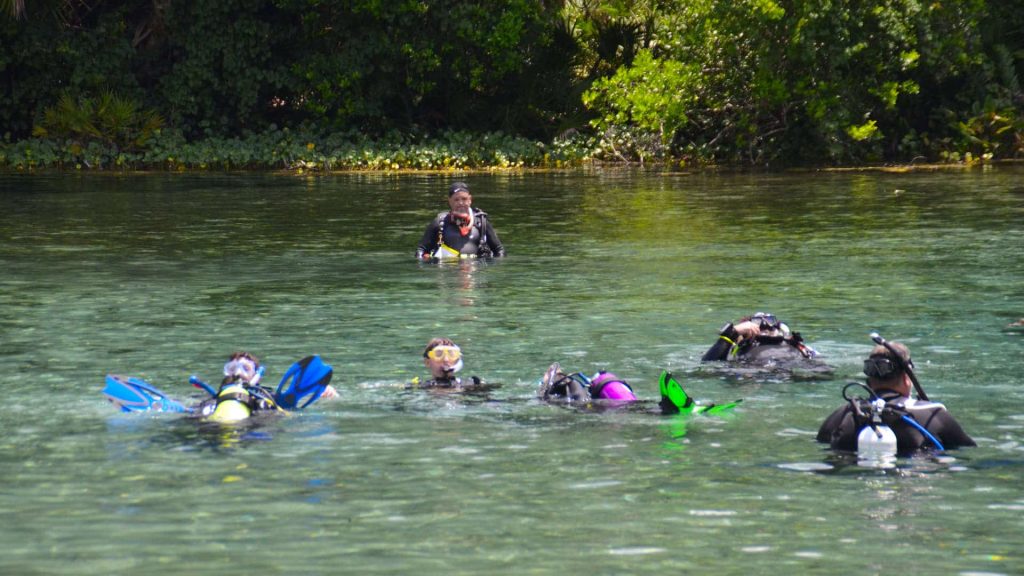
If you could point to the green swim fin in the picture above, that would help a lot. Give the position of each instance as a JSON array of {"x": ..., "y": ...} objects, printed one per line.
[
  {"x": 714, "y": 409},
  {"x": 674, "y": 400}
]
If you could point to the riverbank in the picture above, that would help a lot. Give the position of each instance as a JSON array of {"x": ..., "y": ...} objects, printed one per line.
[
  {"x": 285, "y": 149},
  {"x": 301, "y": 151}
]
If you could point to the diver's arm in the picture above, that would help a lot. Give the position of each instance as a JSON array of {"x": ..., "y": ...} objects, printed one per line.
[
  {"x": 497, "y": 249},
  {"x": 840, "y": 430},
  {"x": 830, "y": 425},
  {"x": 951, "y": 433},
  {"x": 727, "y": 339},
  {"x": 428, "y": 243}
]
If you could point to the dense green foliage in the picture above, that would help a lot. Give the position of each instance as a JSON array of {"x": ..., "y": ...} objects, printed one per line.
[
  {"x": 439, "y": 83},
  {"x": 284, "y": 149}
]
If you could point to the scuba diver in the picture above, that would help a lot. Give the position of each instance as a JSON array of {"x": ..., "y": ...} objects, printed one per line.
[
  {"x": 889, "y": 420},
  {"x": 443, "y": 358},
  {"x": 462, "y": 232},
  {"x": 576, "y": 388},
  {"x": 762, "y": 346},
  {"x": 556, "y": 384},
  {"x": 759, "y": 338},
  {"x": 240, "y": 394}
]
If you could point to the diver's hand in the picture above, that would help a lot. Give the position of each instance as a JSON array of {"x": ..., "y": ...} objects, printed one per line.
[{"x": 747, "y": 329}]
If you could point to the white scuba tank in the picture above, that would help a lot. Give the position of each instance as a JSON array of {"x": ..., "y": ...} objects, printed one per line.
[{"x": 877, "y": 441}]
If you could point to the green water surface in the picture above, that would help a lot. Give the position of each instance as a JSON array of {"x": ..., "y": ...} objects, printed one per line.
[{"x": 162, "y": 276}]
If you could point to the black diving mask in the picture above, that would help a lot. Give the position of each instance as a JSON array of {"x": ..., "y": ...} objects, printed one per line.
[
  {"x": 883, "y": 367},
  {"x": 765, "y": 321}
]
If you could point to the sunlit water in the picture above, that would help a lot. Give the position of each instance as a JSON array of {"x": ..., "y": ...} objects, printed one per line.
[{"x": 163, "y": 276}]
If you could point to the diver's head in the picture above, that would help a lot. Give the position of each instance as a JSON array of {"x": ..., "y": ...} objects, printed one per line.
[
  {"x": 887, "y": 370},
  {"x": 459, "y": 198},
  {"x": 242, "y": 367},
  {"x": 443, "y": 358},
  {"x": 769, "y": 325}
]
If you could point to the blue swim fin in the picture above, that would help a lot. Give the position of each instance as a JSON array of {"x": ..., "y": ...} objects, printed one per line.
[
  {"x": 135, "y": 395},
  {"x": 303, "y": 383}
]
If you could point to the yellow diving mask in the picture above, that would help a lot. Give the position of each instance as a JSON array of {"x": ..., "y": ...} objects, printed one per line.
[{"x": 451, "y": 353}]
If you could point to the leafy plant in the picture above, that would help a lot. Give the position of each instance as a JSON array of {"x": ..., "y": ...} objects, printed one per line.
[
  {"x": 108, "y": 119},
  {"x": 651, "y": 95}
]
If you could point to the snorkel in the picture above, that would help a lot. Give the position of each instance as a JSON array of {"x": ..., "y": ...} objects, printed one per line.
[
  {"x": 905, "y": 366},
  {"x": 450, "y": 370}
]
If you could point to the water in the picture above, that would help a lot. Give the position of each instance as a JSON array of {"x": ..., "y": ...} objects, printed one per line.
[{"x": 162, "y": 276}]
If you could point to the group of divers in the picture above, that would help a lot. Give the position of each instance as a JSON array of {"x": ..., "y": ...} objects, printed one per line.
[{"x": 880, "y": 417}]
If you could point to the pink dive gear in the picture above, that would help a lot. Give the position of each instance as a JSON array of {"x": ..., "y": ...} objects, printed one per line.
[{"x": 608, "y": 386}]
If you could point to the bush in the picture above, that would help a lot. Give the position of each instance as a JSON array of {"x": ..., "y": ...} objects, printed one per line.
[{"x": 303, "y": 150}]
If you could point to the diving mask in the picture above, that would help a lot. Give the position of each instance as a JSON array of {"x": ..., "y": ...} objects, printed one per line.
[
  {"x": 451, "y": 353},
  {"x": 765, "y": 321},
  {"x": 244, "y": 369},
  {"x": 883, "y": 367}
]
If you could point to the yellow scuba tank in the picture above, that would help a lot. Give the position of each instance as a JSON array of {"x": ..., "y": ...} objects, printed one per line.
[{"x": 232, "y": 404}]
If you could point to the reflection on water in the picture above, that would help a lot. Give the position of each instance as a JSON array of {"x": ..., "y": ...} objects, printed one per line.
[
  {"x": 162, "y": 276},
  {"x": 457, "y": 279}
]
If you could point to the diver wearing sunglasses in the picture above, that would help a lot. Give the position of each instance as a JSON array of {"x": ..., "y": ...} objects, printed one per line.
[
  {"x": 917, "y": 423},
  {"x": 760, "y": 338},
  {"x": 443, "y": 358}
]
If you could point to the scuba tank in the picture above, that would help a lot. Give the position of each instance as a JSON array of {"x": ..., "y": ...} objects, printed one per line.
[
  {"x": 876, "y": 440},
  {"x": 608, "y": 386},
  {"x": 232, "y": 404}
]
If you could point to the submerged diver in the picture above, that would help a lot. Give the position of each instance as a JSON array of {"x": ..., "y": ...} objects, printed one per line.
[
  {"x": 891, "y": 415},
  {"x": 240, "y": 394},
  {"x": 557, "y": 385},
  {"x": 758, "y": 337},
  {"x": 762, "y": 342},
  {"x": 462, "y": 232},
  {"x": 443, "y": 358}
]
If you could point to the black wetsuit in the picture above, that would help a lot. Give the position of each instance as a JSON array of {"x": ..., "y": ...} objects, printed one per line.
[
  {"x": 564, "y": 388},
  {"x": 770, "y": 347},
  {"x": 448, "y": 383},
  {"x": 841, "y": 428},
  {"x": 480, "y": 240}
]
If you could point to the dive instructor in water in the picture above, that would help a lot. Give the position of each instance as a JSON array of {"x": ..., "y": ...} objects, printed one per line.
[{"x": 461, "y": 232}]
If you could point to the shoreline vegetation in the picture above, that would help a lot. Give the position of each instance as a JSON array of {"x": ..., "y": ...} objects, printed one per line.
[
  {"x": 301, "y": 153},
  {"x": 303, "y": 85}
]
